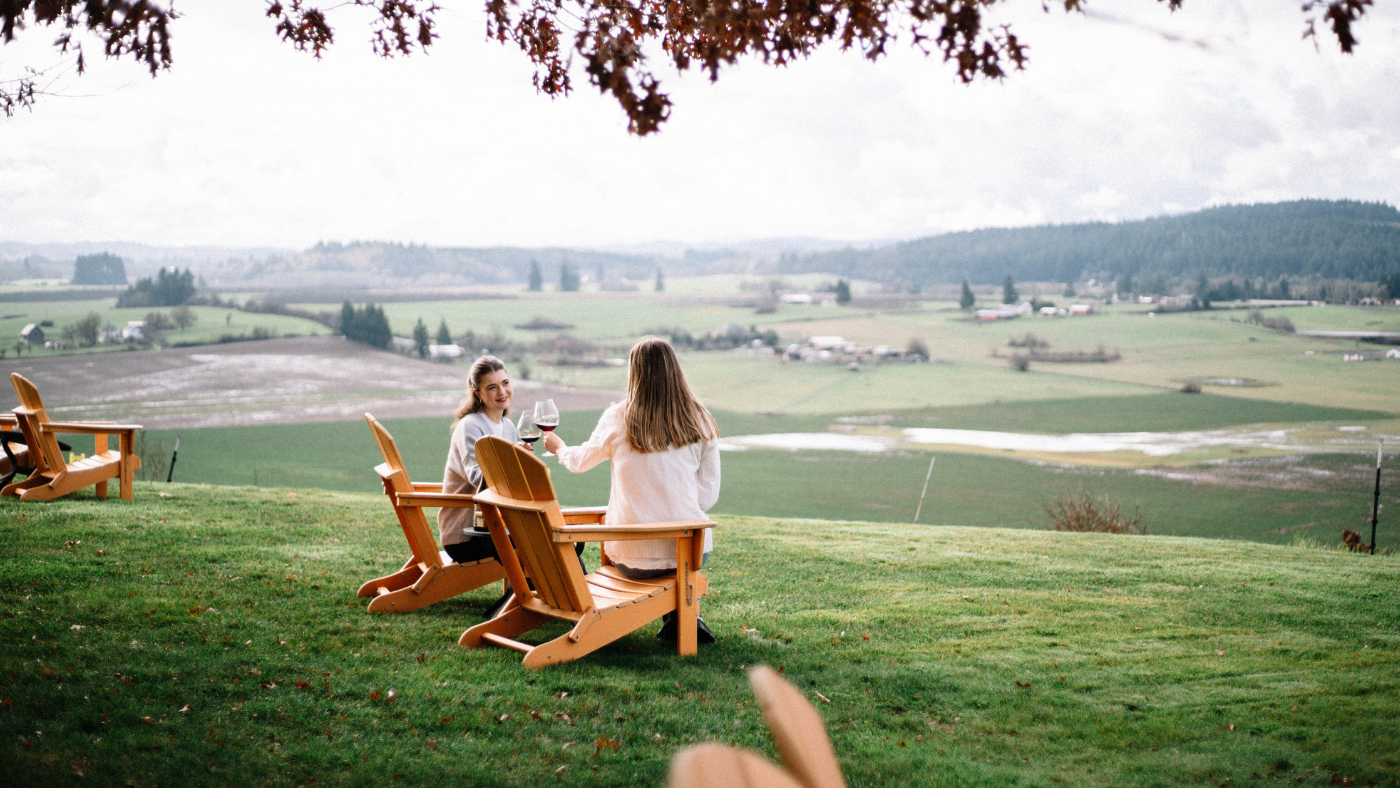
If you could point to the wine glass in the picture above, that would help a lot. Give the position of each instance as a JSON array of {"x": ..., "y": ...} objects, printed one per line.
[
  {"x": 547, "y": 417},
  {"x": 528, "y": 430}
]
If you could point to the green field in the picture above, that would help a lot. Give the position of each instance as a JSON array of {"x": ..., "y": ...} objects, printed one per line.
[
  {"x": 212, "y": 324},
  {"x": 967, "y": 489},
  {"x": 212, "y": 638}
]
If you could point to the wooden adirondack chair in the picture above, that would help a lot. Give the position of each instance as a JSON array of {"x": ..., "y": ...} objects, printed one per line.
[
  {"x": 536, "y": 539},
  {"x": 797, "y": 731},
  {"x": 429, "y": 575},
  {"x": 52, "y": 477}
]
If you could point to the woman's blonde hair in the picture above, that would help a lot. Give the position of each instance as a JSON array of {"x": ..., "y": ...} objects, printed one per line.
[
  {"x": 472, "y": 404},
  {"x": 661, "y": 412}
]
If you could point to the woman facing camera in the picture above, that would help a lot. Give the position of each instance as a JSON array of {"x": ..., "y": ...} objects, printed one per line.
[
  {"x": 664, "y": 448},
  {"x": 482, "y": 413}
]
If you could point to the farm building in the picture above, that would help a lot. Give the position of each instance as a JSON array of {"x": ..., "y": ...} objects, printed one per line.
[
  {"x": 32, "y": 335},
  {"x": 1081, "y": 309},
  {"x": 1393, "y": 353},
  {"x": 445, "y": 352},
  {"x": 1005, "y": 312},
  {"x": 135, "y": 329}
]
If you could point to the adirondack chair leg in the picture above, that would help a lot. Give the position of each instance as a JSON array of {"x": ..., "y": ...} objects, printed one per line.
[
  {"x": 130, "y": 462},
  {"x": 609, "y": 626},
  {"x": 511, "y": 623},
  {"x": 17, "y": 489},
  {"x": 403, "y": 578},
  {"x": 451, "y": 581},
  {"x": 687, "y": 600},
  {"x": 99, "y": 445}
]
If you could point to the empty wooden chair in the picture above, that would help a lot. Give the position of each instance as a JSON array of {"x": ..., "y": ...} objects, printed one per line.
[
  {"x": 52, "y": 477},
  {"x": 429, "y": 575},
  {"x": 797, "y": 731},
  {"x": 535, "y": 539}
]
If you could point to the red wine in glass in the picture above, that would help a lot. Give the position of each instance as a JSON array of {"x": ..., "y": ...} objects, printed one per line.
[
  {"x": 528, "y": 430},
  {"x": 546, "y": 415}
]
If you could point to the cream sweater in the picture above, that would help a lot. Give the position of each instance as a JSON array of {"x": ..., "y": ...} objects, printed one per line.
[
  {"x": 656, "y": 487},
  {"x": 463, "y": 475}
]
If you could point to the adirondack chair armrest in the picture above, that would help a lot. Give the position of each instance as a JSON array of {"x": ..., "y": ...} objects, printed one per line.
[
  {"x": 88, "y": 427},
  {"x": 444, "y": 500},
  {"x": 623, "y": 533},
  {"x": 427, "y": 486},
  {"x": 583, "y": 515}
]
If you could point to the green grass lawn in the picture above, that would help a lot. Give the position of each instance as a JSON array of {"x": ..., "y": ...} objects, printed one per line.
[{"x": 212, "y": 638}]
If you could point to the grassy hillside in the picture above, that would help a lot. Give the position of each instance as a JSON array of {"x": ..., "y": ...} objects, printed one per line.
[{"x": 211, "y": 638}]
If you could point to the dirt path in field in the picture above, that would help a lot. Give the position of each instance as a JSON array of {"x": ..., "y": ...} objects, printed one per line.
[{"x": 279, "y": 381}]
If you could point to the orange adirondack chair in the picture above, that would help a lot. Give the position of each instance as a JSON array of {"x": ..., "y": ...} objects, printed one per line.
[
  {"x": 429, "y": 575},
  {"x": 535, "y": 539},
  {"x": 52, "y": 477},
  {"x": 797, "y": 731}
]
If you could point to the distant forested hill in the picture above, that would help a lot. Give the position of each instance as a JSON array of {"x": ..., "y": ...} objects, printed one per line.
[{"x": 1309, "y": 238}]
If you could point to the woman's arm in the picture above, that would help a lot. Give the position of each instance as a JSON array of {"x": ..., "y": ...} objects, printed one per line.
[
  {"x": 707, "y": 475},
  {"x": 469, "y": 432},
  {"x": 597, "y": 448}
]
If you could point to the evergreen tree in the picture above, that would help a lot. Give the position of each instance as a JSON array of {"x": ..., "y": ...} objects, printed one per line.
[
  {"x": 1069, "y": 290},
  {"x": 968, "y": 300},
  {"x": 843, "y": 291},
  {"x": 1125, "y": 285},
  {"x": 444, "y": 337},
  {"x": 660, "y": 281},
  {"x": 1283, "y": 291},
  {"x": 1203, "y": 291},
  {"x": 536, "y": 277},
  {"x": 347, "y": 319},
  {"x": 568, "y": 278},
  {"x": 99, "y": 269},
  {"x": 366, "y": 325},
  {"x": 1008, "y": 291},
  {"x": 420, "y": 338},
  {"x": 169, "y": 288}
]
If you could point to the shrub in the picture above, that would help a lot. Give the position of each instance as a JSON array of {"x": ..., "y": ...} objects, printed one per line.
[
  {"x": 1082, "y": 510},
  {"x": 917, "y": 348},
  {"x": 1190, "y": 387},
  {"x": 1030, "y": 340},
  {"x": 183, "y": 317},
  {"x": 1276, "y": 323},
  {"x": 1021, "y": 363}
]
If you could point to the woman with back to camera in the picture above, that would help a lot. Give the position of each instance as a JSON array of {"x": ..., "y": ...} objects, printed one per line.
[{"x": 664, "y": 448}]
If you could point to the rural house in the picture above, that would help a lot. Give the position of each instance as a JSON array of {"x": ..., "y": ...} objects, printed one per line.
[{"x": 32, "y": 335}]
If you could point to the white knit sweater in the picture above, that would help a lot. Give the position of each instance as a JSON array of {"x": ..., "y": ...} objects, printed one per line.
[{"x": 655, "y": 487}]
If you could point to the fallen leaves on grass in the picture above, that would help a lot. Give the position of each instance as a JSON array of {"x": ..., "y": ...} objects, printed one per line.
[
  {"x": 1023, "y": 686},
  {"x": 1220, "y": 652},
  {"x": 559, "y": 715},
  {"x": 78, "y": 627},
  {"x": 302, "y": 684},
  {"x": 186, "y": 709},
  {"x": 824, "y": 698},
  {"x": 604, "y": 743}
]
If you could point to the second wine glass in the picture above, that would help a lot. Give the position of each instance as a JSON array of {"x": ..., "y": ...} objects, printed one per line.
[{"x": 528, "y": 430}]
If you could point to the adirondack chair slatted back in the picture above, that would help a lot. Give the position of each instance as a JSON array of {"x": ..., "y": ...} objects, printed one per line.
[
  {"x": 31, "y": 415},
  {"x": 513, "y": 472},
  {"x": 395, "y": 478}
]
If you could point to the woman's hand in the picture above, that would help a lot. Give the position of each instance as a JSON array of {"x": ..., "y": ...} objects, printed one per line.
[{"x": 554, "y": 443}]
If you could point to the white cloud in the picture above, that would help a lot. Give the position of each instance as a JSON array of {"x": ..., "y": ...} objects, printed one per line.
[{"x": 247, "y": 142}]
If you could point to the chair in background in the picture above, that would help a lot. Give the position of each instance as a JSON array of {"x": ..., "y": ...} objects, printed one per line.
[
  {"x": 536, "y": 539},
  {"x": 429, "y": 575},
  {"x": 51, "y": 477},
  {"x": 797, "y": 731}
]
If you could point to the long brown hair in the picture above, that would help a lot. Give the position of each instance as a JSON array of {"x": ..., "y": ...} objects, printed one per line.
[
  {"x": 472, "y": 404},
  {"x": 661, "y": 412}
]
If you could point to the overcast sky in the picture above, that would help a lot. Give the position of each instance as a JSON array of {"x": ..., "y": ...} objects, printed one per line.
[{"x": 247, "y": 142}]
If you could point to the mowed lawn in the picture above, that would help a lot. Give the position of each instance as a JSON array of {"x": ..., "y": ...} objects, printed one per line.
[{"x": 212, "y": 638}]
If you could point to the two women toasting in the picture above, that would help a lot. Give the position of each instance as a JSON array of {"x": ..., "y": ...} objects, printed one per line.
[{"x": 663, "y": 444}]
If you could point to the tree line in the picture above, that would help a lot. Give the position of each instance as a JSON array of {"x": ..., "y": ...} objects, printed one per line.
[{"x": 1318, "y": 239}]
